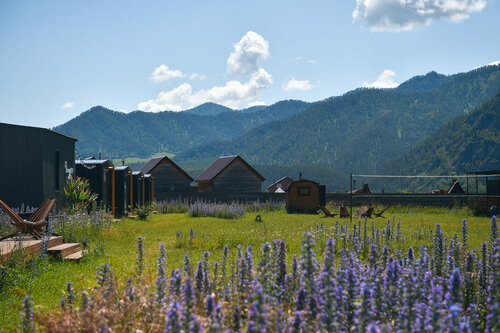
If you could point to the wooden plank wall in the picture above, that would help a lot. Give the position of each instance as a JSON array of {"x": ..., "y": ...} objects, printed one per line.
[
  {"x": 237, "y": 178},
  {"x": 169, "y": 179}
]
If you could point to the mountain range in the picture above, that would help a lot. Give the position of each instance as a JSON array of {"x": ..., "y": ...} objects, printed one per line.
[{"x": 362, "y": 131}]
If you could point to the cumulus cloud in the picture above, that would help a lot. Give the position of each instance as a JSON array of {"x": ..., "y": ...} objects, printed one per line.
[
  {"x": 256, "y": 103},
  {"x": 231, "y": 94},
  {"x": 297, "y": 85},
  {"x": 163, "y": 73},
  {"x": 403, "y": 15},
  {"x": 243, "y": 62},
  {"x": 494, "y": 63},
  {"x": 247, "y": 53},
  {"x": 385, "y": 80},
  {"x": 68, "y": 105}
]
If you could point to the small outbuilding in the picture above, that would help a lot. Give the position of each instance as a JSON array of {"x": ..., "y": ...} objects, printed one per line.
[
  {"x": 138, "y": 188},
  {"x": 168, "y": 176},
  {"x": 123, "y": 190},
  {"x": 35, "y": 164},
  {"x": 230, "y": 174},
  {"x": 280, "y": 186},
  {"x": 149, "y": 188},
  {"x": 99, "y": 174},
  {"x": 305, "y": 196}
]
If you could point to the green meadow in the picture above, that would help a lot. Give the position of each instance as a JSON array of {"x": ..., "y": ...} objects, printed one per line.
[{"x": 45, "y": 280}]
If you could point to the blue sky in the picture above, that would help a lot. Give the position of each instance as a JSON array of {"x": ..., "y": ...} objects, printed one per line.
[{"x": 59, "y": 58}]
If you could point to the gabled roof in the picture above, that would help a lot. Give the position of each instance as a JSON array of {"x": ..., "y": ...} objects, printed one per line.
[
  {"x": 223, "y": 162},
  {"x": 148, "y": 167},
  {"x": 48, "y": 130},
  {"x": 93, "y": 161},
  {"x": 279, "y": 181}
]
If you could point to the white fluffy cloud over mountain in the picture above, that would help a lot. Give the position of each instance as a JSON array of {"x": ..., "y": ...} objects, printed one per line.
[
  {"x": 243, "y": 62},
  {"x": 402, "y": 15},
  {"x": 384, "y": 80}
]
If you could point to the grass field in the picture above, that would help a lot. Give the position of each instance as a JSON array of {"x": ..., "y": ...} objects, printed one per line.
[{"x": 46, "y": 281}]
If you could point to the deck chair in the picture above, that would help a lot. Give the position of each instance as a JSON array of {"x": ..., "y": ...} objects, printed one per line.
[
  {"x": 379, "y": 214},
  {"x": 366, "y": 212},
  {"x": 34, "y": 224},
  {"x": 343, "y": 212},
  {"x": 326, "y": 212}
]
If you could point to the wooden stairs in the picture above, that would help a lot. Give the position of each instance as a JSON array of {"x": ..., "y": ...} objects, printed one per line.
[{"x": 55, "y": 248}]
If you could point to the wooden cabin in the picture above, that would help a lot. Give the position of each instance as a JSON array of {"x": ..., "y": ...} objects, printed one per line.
[
  {"x": 35, "y": 164},
  {"x": 138, "y": 188},
  {"x": 280, "y": 184},
  {"x": 168, "y": 177},
  {"x": 149, "y": 188},
  {"x": 304, "y": 196},
  {"x": 99, "y": 173},
  {"x": 230, "y": 174},
  {"x": 123, "y": 190}
]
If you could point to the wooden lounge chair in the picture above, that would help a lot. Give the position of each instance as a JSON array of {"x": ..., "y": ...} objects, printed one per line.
[
  {"x": 343, "y": 212},
  {"x": 34, "y": 224},
  {"x": 379, "y": 214},
  {"x": 326, "y": 212},
  {"x": 366, "y": 212}
]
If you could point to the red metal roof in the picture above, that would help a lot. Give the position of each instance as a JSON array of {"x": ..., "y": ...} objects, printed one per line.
[
  {"x": 218, "y": 166},
  {"x": 148, "y": 167}
]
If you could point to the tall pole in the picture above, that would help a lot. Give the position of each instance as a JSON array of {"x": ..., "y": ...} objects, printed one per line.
[{"x": 351, "y": 196}]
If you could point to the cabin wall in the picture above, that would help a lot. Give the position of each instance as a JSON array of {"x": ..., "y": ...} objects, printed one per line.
[
  {"x": 169, "y": 179},
  {"x": 303, "y": 196},
  {"x": 21, "y": 172},
  {"x": 32, "y": 165},
  {"x": 237, "y": 178}
]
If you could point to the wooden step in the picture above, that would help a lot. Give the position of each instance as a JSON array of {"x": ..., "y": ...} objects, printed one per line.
[
  {"x": 29, "y": 245},
  {"x": 64, "y": 249},
  {"x": 75, "y": 256}
]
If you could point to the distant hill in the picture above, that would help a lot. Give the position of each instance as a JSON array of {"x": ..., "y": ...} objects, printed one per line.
[
  {"x": 469, "y": 142},
  {"x": 208, "y": 109},
  {"x": 142, "y": 134},
  {"x": 361, "y": 130},
  {"x": 431, "y": 80}
]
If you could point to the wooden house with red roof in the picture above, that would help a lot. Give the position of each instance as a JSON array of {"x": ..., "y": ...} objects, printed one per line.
[
  {"x": 230, "y": 174},
  {"x": 168, "y": 177},
  {"x": 280, "y": 186}
]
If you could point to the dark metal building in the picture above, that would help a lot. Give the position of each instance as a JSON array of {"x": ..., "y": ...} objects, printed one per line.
[
  {"x": 230, "y": 174},
  {"x": 138, "y": 188},
  {"x": 99, "y": 173},
  {"x": 149, "y": 188},
  {"x": 34, "y": 165},
  {"x": 123, "y": 187},
  {"x": 168, "y": 176}
]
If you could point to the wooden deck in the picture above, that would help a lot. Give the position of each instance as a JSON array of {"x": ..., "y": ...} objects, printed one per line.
[{"x": 30, "y": 246}]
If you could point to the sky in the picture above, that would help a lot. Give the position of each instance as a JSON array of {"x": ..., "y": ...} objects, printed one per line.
[{"x": 60, "y": 58}]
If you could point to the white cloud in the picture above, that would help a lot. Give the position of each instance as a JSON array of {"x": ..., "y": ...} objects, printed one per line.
[
  {"x": 385, "y": 80},
  {"x": 243, "y": 61},
  {"x": 230, "y": 95},
  {"x": 247, "y": 53},
  {"x": 494, "y": 63},
  {"x": 403, "y": 15},
  {"x": 68, "y": 105},
  {"x": 256, "y": 103},
  {"x": 297, "y": 85},
  {"x": 163, "y": 73}
]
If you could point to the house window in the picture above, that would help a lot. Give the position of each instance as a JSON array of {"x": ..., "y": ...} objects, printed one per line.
[{"x": 304, "y": 191}]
